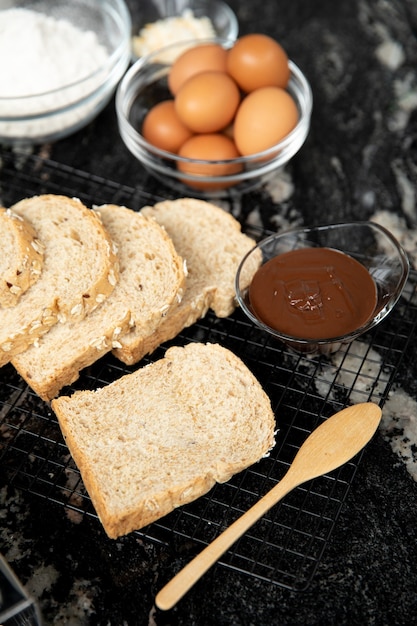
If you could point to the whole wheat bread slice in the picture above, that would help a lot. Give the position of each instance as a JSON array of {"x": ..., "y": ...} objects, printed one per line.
[
  {"x": 80, "y": 270},
  {"x": 162, "y": 436},
  {"x": 211, "y": 242},
  {"x": 21, "y": 258},
  {"x": 150, "y": 283}
]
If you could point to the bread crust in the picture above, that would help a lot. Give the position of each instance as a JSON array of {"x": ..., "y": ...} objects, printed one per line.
[
  {"x": 212, "y": 244},
  {"x": 145, "y": 447},
  {"x": 80, "y": 270},
  {"x": 21, "y": 260},
  {"x": 151, "y": 277}
]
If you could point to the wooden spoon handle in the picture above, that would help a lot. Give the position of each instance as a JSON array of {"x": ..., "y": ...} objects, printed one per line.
[
  {"x": 187, "y": 577},
  {"x": 331, "y": 445}
]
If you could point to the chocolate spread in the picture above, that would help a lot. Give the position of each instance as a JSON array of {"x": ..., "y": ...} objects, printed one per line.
[{"x": 313, "y": 293}]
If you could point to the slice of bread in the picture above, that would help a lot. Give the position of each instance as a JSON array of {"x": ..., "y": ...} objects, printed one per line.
[
  {"x": 21, "y": 258},
  {"x": 211, "y": 242},
  {"x": 80, "y": 270},
  {"x": 162, "y": 436},
  {"x": 151, "y": 279}
]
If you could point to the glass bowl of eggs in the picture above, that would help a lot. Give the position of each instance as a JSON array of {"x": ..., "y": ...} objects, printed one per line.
[
  {"x": 218, "y": 118},
  {"x": 318, "y": 288}
]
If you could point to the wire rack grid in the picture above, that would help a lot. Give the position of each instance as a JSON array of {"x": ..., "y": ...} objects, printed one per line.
[{"x": 286, "y": 546}]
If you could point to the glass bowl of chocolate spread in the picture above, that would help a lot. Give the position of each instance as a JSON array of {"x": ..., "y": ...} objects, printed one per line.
[{"x": 317, "y": 288}]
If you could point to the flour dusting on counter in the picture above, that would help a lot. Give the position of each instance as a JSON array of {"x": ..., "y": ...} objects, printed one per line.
[
  {"x": 280, "y": 187},
  {"x": 398, "y": 228},
  {"x": 399, "y": 414},
  {"x": 361, "y": 373},
  {"x": 399, "y": 427}
]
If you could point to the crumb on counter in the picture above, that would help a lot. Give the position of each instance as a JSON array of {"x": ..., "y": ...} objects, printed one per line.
[{"x": 171, "y": 30}]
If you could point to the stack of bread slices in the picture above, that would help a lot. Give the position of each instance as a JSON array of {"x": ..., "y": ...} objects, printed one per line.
[
  {"x": 83, "y": 282},
  {"x": 78, "y": 283},
  {"x": 74, "y": 269}
]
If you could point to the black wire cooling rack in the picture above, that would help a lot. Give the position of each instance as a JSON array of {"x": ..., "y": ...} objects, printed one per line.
[{"x": 287, "y": 544}]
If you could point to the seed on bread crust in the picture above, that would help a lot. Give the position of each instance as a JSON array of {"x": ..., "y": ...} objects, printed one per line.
[{"x": 37, "y": 246}]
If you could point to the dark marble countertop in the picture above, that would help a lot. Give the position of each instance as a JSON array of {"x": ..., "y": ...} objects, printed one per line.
[{"x": 359, "y": 162}]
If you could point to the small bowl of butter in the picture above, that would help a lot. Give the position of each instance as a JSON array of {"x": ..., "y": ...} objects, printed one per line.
[
  {"x": 158, "y": 24},
  {"x": 318, "y": 288}
]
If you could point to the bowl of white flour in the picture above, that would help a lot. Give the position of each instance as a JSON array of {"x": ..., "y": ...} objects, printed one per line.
[{"x": 60, "y": 62}]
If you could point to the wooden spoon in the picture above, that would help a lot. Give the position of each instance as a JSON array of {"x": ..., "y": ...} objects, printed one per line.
[{"x": 329, "y": 446}]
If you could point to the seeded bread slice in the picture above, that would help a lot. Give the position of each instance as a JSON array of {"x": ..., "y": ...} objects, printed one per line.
[
  {"x": 21, "y": 258},
  {"x": 162, "y": 436},
  {"x": 80, "y": 270},
  {"x": 211, "y": 242},
  {"x": 151, "y": 279}
]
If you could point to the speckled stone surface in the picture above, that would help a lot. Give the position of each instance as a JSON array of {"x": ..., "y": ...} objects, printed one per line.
[{"x": 359, "y": 162}]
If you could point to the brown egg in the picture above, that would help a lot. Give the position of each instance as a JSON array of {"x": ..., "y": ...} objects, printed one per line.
[
  {"x": 209, "y": 147},
  {"x": 202, "y": 58},
  {"x": 263, "y": 119},
  {"x": 163, "y": 128},
  {"x": 257, "y": 60},
  {"x": 207, "y": 102}
]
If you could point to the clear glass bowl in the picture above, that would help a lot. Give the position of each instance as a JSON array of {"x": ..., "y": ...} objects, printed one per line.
[
  {"x": 368, "y": 243},
  {"x": 47, "y": 116},
  {"x": 145, "y": 84},
  {"x": 223, "y": 20}
]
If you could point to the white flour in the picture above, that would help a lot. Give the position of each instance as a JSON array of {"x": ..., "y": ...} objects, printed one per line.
[{"x": 41, "y": 54}]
